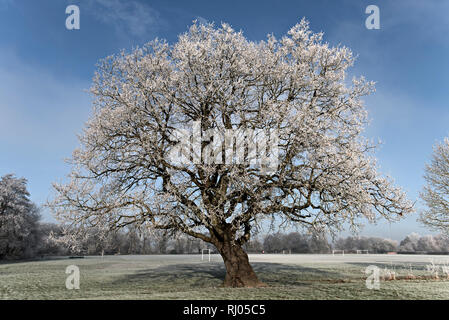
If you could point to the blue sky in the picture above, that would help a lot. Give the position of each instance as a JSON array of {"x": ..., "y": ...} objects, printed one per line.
[{"x": 45, "y": 71}]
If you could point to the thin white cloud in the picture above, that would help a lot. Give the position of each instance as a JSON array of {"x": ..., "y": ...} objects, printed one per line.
[
  {"x": 38, "y": 111},
  {"x": 40, "y": 115},
  {"x": 421, "y": 20},
  {"x": 430, "y": 17},
  {"x": 127, "y": 17}
]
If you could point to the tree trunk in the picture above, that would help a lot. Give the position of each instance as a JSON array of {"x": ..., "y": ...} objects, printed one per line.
[{"x": 239, "y": 272}]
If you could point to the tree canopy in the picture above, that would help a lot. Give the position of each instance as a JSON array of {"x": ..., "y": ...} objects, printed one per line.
[
  {"x": 269, "y": 130},
  {"x": 19, "y": 219},
  {"x": 436, "y": 191}
]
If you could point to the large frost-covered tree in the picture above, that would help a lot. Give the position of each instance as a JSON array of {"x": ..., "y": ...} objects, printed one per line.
[
  {"x": 436, "y": 191},
  {"x": 285, "y": 101},
  {"x": 19, "y": 217}
]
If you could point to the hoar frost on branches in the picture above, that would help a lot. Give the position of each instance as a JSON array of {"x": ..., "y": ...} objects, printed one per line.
[
  {"x": 19, "y": 219},
  {"x": 325, "y": 176},
  {"x": 436, "y": 191}
]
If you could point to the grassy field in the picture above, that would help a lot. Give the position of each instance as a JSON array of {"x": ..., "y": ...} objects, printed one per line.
[{"x": 187, "y": 277}]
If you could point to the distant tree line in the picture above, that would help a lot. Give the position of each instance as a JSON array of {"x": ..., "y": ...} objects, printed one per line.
[
  {"x": 23, "y": 236},
  {"x": 130, "y": 240},
  {"x": 372, "y": 244},
  {"x": 413, "y": 244},
  {"x": 295, "y": 242}
]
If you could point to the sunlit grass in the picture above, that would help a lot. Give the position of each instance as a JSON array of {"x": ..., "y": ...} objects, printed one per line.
[{"x": 187, "y": 277}]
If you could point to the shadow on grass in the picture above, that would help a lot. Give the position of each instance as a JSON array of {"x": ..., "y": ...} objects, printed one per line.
[
  {"x": 207, "y": 275},
  {"x": 36, "y": 259},
  {"x": 276, "y": 274}
]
